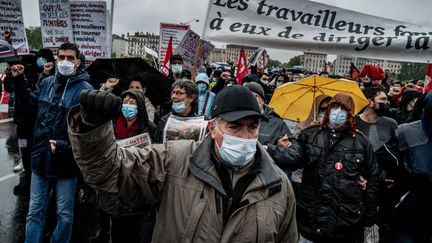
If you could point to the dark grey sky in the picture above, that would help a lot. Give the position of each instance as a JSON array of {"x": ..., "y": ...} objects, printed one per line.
[{"x": 145, "y": 15}]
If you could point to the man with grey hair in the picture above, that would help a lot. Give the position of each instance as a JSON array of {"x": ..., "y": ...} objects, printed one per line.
[{"x": 225, "y": 189}]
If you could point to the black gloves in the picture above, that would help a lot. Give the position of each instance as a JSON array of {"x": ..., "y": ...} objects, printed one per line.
[{"x": 98, "y": 107}]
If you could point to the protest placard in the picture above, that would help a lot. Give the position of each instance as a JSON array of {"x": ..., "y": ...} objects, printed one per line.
[
  {"x": 11, "y": 18},
  {"x": 178, "y": 128},
  {"x": 90, "y": 28},
  {"x": 313, "y": 27},
  {"x": 140, "y": 141},
  {"x": 176, "y": 31},
  {"x": 56, "y": 23},
  {"x": 188, "y": 48}
]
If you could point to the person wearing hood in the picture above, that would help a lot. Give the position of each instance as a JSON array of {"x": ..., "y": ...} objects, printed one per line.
[
  {"x": 205, "y": 96},
  {"x": 331, "y": 206},
  {"x": 381, "y": 132},
  {"x": 404, "y": 114},
  {"x": 117, "y": 220},
  {"x": 52, "y": 161},
  {"x": 184, "y": 98},
  {"x": 224, "y": 189},
  {"x": 413, "y": 212},
  {"x": 275, "y": 135},
  {"x": 44, "y": 63}
]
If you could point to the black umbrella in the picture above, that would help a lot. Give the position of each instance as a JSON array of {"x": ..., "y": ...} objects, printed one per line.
[
  {"x": 7, "y": 52},
  {"x": 158, "y": 86}
]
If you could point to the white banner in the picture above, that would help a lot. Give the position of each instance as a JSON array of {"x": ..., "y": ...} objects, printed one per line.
[
  {"x": 90, "y": 28},
  {"x": 178, "y": 128},
  {"x": 11, "y": 18},
  {"x": 313, "y": 27},
  {"x": 188, "y": 48},
  {"x": 56, "y": 23},
  {"x": 140, "y": 141},
  {"x": 177, "y": 31}
]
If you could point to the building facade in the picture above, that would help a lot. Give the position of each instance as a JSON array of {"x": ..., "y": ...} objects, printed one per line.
[
  {"x": 217, "y": 55},
  {"x": 119, "y": 46},
  {"x": 232, "y": 52},
  {"x": 139, "y": 40},
  {"x": 342, "y": 64},
  {"x": 313, "y": 62}
]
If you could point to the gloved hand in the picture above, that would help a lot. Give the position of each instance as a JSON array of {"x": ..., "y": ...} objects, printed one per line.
[{"x": 98, "y": 107}]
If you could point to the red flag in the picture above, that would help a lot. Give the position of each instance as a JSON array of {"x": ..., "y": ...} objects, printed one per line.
[
  {"x": 165, "y": 68},
  {"x": 354, "y": 72},
  {"x": 428, "y": 82},
  {"x": 242, "y": 67},
  {"x": 325, "y": 67}
]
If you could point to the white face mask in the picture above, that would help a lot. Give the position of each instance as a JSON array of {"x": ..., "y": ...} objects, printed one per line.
[
  {"x": 65, "y": 68},
  {"x": 238, "y": 152},
  {"x": 338, "y": 117}
]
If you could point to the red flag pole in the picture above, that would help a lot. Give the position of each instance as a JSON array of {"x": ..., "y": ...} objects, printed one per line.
[
  {"x": 242, "y": 68},
  {"x": 165, "y": 68}
]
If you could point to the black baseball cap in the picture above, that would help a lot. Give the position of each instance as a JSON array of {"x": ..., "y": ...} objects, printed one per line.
[{"x": 234, "y": 103}]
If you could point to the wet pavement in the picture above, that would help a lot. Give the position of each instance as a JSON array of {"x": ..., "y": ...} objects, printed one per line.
[{"x": 14, "y": 208}]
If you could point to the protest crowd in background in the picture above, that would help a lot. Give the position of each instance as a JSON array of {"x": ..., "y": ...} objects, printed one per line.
[{"x": 187, "y": 152}]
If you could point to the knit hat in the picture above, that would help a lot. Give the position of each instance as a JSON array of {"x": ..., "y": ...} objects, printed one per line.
[
  {"x": 256, "y": 88},
  {"x": 176, "y": 57},
  {"x": 202, "y": 77}
]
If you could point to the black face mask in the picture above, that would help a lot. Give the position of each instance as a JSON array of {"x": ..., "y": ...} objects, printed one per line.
[{"x": 383, "y": 109}]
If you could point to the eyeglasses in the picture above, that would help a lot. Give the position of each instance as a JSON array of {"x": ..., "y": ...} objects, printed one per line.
[{"x": 177, "y": 93}]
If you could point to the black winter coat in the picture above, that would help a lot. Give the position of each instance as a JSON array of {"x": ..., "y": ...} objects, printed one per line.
[
  {"x": 269, "y": 134},
  {"x": 331, "y": 203}
]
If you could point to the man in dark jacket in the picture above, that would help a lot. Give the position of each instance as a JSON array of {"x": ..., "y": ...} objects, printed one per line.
[
  {"x": 414, "y": 211},
  {"x": 275, "y": 135},
  {"x": 52, "y": 160},
  {"x": 331, "y": 206},
  {"x": 381, "y": 132}
]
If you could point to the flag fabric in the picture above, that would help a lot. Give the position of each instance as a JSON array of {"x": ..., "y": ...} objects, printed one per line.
[
  {"x": 354, "y": 72},
  {"x": 165, "y": 68},
  {"x": 325, "y": 67},
  {"x": 428, "y": 81},
  {"x": 242, "y": 67}
]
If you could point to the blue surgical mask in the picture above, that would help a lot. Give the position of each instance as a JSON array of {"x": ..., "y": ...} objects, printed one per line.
[
  {"x": 129, "y": 111},
  {"x": 177, "y": 69},
  {"x": 40, "y": 61},
  {"x": 338, "y": 116},
  {"x": 202, "y": 87},
  {"x": 235, "y": 151},
  {"x": 179, "y": 107},
  {"x": 278, "y": 84}
]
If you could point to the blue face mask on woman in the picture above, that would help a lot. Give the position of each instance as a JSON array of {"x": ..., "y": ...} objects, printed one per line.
[
  {"x": 129, "y": 111},
  {"x": 179, "y": 107},
  {"x": 337, "y": 116},
  {"x": 40, "y": 61},
  {"x": 202, "y": 87}
]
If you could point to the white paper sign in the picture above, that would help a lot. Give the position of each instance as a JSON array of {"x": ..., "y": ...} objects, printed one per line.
[
  {"x": 90, "y": 28},
  {"x": 176, "y": 31},
  {"x": 140, "y": 141},
  {"x": 11, "y": 18},
  {"x": 313, "y": 27},
  {"x": 56, "y": 23}
]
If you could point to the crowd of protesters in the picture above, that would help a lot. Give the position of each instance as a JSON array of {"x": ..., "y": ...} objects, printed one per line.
[{"x": 338, "y": 178}]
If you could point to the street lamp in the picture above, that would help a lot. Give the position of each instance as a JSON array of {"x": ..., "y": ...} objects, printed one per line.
[{"x": 192, "y": 20}]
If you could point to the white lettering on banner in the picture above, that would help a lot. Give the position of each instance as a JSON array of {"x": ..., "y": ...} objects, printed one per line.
[
  {"x": 56, "y": 23},
  {"x": 309, "y": 26},
  {"x": 11, "y": 18},
  {"x": 89, "y": 22}
]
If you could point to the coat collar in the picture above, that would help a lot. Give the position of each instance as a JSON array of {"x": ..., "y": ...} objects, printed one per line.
[{"x": 202, "y": 167}]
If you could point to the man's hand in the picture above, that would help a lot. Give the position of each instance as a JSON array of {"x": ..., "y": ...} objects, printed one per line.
[
  {"x": 17, "y": 70},
  {"x": 362, "y": 183},
  {"x": 111, "y": 82},
  {"x": 53, "y": 144},
  {"x": 48, "y": 67},
  {"x": 284, "y": 142},
  {"x": 98, "y": 107}
]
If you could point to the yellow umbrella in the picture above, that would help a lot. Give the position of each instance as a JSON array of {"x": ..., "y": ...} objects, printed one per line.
[{"x": 294, "y": 101}]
